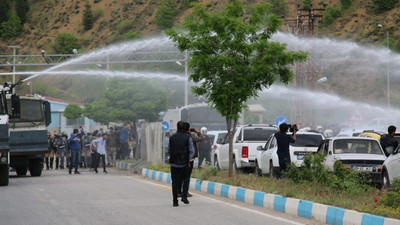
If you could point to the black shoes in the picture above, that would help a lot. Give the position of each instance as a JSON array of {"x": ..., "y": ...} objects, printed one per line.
[
  {"x": 189, "y": 195},
  {"x": 175, "y": 204},
  {"x": 179, "y": 195},
  {"x": 70, "y": 171},
  {"x": 184, "y": 200},
  {"x": 95, "y": 170},
  {"x": 105, "y": 171},
  {"x": 77, "y": 172}
]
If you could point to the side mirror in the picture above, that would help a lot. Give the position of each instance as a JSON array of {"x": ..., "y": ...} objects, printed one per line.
[{"x": 259, "y": 148}]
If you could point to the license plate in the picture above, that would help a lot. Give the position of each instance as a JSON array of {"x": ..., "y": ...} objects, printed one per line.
[{"x": 362, "y": 169}]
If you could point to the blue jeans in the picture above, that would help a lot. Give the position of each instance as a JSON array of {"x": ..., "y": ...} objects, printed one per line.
[{"x": 75, "y": 158}]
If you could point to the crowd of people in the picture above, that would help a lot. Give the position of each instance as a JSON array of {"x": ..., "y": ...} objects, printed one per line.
[{"x": 90, "y": 150}]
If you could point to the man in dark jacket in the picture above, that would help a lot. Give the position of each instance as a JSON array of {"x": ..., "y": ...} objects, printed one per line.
[
  {"x": 181, "y": 151},
  {"x": 283, "y": 141},
  {"x": 388, "y": 142},
  {"x": 75, "y": 146}
]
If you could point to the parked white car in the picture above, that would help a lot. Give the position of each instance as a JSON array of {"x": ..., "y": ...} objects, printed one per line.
[
  {"x": 361, "y": 154},
  {"x": 217, "y": 137},
  {"x": 245, "y": 142},
  {"x": 391, "y": 168},
  {"x": 267, "y": 161}
]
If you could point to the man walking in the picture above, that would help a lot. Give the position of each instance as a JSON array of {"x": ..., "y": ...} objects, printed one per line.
[
  {"x": 388, "y": 142},
  {"x": 74, "y": 145},
  {"x": 100, "y": 145},
  {"x": 181, "y": 151},
  {"x": 123, "y": 141},
  {"x": 283, "y": 140}
]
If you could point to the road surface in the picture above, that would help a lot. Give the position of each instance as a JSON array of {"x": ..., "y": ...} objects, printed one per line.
[{"x": 119, "y": 198}]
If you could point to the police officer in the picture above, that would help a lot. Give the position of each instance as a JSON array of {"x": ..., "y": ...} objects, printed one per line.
[{"x": 181, "y": 151}]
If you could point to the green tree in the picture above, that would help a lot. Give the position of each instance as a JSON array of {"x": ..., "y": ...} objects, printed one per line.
[
  {"x": 165, "y": 14},
  {"x": 87, "y": 17},
  {"x": 345, "y": 4},
  {"x": 4, "y": 11},
  {"x": 330, "y": 15},
  {"x": 306, "y": 4},
  {"x": 233, "y": 57},
  {"x": 65, "y": 43},
  {"x": 278, "y": 7},
  {"x": 384, "y": 5},
  {"x": 22, "y": 9},
  {"x": 127, "y": 100},
  {"x": 12, "y": 27},
  {"x": 73, "y": 111}
]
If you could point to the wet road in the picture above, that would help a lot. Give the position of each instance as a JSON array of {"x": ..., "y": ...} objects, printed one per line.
[{"x": 118, "y": 198}]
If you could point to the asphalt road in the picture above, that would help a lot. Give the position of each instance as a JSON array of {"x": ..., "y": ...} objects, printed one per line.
[{"x": 119, "y": 198}]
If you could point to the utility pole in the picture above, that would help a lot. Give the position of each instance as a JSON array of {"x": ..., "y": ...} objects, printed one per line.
[{"x": 14, "y": 62}]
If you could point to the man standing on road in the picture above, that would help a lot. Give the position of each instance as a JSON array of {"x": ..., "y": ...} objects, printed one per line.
[
  {"x": 204, "y": 148},
  {"x": 388, "y": 142},
  {"x": 123, "y": 141},
  {"x": 283, "y": 141},
  {"x": 181, "y": 151},
  {"x": 100, "y": 145},
  {"x": 112, "y": 147},
  {"x": 74, "y": 145}
]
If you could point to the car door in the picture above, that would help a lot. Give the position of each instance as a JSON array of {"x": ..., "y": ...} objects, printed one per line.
[
  {"x": 264, "y": 156},
  {"x": 271, "y": 152},
  {"x": 394, "y": 165},
  {"x": 224, "y": 153}
]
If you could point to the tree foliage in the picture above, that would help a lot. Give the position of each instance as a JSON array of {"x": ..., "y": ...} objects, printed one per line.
[
  {"x": 165, "y": 14},
  {"x": 73, "y": 111},
  {"x": 4, "y": 11},
  {"x": 233, "y": 58},
  {"x": 65, "y": 43},
  {"x": 87, "y": 17},
  {"x": 22, "y": 9},
  {"x": 345, "y": 4},
  {"x": 330, "y": 15},
  {"x": 278, "y": 7},
  {"x": 306, "y": 4},
  {"x": 12, "y": 27},
  {"x": 384, "y": 5},
  {"x": 128, "y": 100}
]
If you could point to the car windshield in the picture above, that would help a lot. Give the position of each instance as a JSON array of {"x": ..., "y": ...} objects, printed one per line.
[
  {"x": 307, "y": 140},
  {"x": 354, "y": 146},
  {"x": 257, "y": 134}
]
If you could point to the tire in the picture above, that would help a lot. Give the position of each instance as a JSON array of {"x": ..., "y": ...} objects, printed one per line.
[
  {"x": 216, "y": 164},
  {"x": 21, "y": 170},
  {"x": 35, "y": 168},
  {"x": 271, "y": 170},
  {"x": 4, "y": 174},
  {"x": 258, "y": 170},
  {"x": 385, "y": 179}
]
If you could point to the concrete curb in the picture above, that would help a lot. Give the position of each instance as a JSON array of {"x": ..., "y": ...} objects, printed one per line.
[
  {"x": 123, "y": 165},
  {"x": 306, "y": 209}
]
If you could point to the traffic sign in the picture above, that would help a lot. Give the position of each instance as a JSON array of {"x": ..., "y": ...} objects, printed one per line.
[
  {"x": 281, "y": 119},
  {"x": 165, "y": 126}
]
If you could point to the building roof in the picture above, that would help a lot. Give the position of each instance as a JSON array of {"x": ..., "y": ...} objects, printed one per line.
[{"x": 62, "y": 101}]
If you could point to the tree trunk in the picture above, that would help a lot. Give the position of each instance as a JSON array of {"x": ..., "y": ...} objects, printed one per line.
[{"x": 231, "y": 132}]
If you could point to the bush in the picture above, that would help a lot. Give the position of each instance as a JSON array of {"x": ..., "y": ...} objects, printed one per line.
[
  {"x": 4, "y": 11},
  {"x": 97, "y": 13},
  {"x": 11, "y": 28},
  {"x": 165, "y": 14},
  {"x": 384, "y": 5},
  {"x": 22, "y": 8},
  {"x": 392, "y": 199},
  {"x": 345, "y": 4},
  {"x": 65, "y": 43},
  {"x": 330, "y": 15},
  {"x": 125, "y": 26},
  {"x": 132, "y": 35},
  {"x": 73, "y": 111},
  {"x": 306, "y": 4},
  {"x": 210, "y": 171},
  {"x": 278, "y": 7}
]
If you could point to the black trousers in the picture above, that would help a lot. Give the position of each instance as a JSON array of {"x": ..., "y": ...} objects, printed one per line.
[
  {"x": 103, "y": 159},
  {"x": 283, "y": 164},
  {"x": 178, "y": 175},
  {"x": 205, "y": 154}
]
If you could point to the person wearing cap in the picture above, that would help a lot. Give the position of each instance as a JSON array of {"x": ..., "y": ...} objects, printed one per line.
[{"x": 204, "y": 148}]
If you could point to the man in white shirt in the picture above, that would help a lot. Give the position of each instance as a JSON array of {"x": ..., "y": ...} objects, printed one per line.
[{"x": 100, "y": 145}]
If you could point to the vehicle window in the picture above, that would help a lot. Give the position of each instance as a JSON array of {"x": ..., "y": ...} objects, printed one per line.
[
  {"x": 326, "y": 148},
  {"x": 268, "y": 143},
  {"x": 354, "y": 146},
  {"x": 257, "y": 134},
  {"x": 240, "y": 136},
  {"x": 273, "y": 143},
  {"x": 221, "y": 138},
  {"x": 307, "y": 140},
  {"x": 31, "y": 111},
  {"x": 322, "y": 149}
]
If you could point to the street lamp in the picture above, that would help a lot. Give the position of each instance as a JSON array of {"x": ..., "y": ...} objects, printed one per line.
[
  {"x": 387, "y": 66},
  {"x": 186, "y": 78},
  {"x": 31, "y": 86}
]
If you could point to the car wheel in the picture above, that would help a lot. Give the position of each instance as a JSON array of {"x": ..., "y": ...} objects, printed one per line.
[
  {"x": 4, "y": 170},
  {"x": 35, "y": 168},
  {"x": 385, "y": 179},
  {"x": 235, "y": 168},
  {"x": 216, "y": 162},
  {"x": 271, "y": 170},
  {"x": 258, "y": 170}
]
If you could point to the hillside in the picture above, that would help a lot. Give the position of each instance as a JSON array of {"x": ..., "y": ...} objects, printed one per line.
[{"x": 114, "y": 19}]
